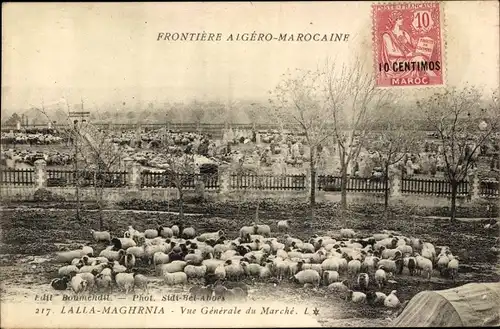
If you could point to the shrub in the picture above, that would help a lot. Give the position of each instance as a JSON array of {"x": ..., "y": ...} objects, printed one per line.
[{"x": 44, "y": 195}]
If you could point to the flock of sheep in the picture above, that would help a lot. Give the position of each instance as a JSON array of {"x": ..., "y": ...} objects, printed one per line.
[{"x": 356, "y": 268}]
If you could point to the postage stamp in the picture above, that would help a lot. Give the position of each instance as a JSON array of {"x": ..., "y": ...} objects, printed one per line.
[{"x": 407, "y": 43}]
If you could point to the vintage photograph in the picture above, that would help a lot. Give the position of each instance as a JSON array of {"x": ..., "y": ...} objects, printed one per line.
[{"x": 241, "y": 164}]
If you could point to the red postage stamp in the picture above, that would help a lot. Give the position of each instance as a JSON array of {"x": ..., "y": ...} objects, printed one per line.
[{"x": 408, "y": 44}]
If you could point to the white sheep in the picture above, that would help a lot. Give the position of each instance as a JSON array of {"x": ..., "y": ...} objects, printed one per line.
[
  {"x": 284, "y": 226},
  {"x": 347, "y": 233},
  {"x": 127, "y": 243},
  {"x": 66, "y": 270},
  {"x": 380, "y": 277},
  {"x": 175, "y": 278},
  {"x": 308, "y": 276},
  {"x": 160, "y": 257},
  {"x": 175, "y": 266},
  {"x": 101, "y": 236},
  {"x": 189, "y": 233},
  {"x": 150, "y": 233},
  {"x": 392, "y": 300},
  {"x": 195, "y": 272},
  {"x": 363, "y": 281},
  {"x": 389, "y": 266},
  {"x": 103, "y": 281},
  {"x": 339, "y": 287},
  {"x": 353, "y": 267},
  {"x": 210, "y": 236},
  {"x": 453, "y": 267},
  {"x": 167, "y": 232},
  {"x": 330, "y": 264},
  {"x": 138, "y": 252},
  {"x": 252, "y": 270},
  {"x": 78, "y": 284},
  {"x": 263, "y": 230},
  {"x": 129, "y": 261},
  {"x": 175, "y": 230},
  {"x": 357, "y": 297},
  {"x": 234, "y": 271},
  {"x": 330, "y": 277},
  {"x": 112, "y": 255},
  {"x": 247, "y": 230},
  {"x": 220, "y": 271},
  {"x": 125, "y": 281},
  {"x": 425, "y": 265},
  {"x": 141, "y": 281},
  {"x": 89, "y": 278},
  {"x": 212, "y": 264}
]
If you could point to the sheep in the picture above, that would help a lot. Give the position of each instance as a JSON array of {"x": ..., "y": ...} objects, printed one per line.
[
  {"x": 175, "y": 278},
  {"x": 66, "y": 270},
  {"x": 405, "y": 250},
  {"x": 392, "y": 300},
  {"x": 118, "y": 268},
  {"x": 369, "y": 264},
  {"x": 442, "y": 264},
  {"x": 380, "y": 277},
  {"x": 353, "y": 267},
  {"x": 357, "y": 297},
  {"x": 265, "y": 271},
  {"x": 189, "y": 233},
  {"x": 284, "y": 226},
  {"x": 195, "y": 258},
  {"x": 233, "y": 270},
  {"x": 247, "y": 230},
  {"x": 150, "y": 250},
  {"x": 137, "y": 252},
  {"x": 127, "y": 243},
  {"x": 263, "y": 230},
  {"x": 175, "y": 266},
  {"x": 347, "y": 233},
  {"x": 330, "y": 264},
  {"x": 251, "y": 269},
  {"x": 125, "y": 281},
  {"x": 167, "y": 232},
  {"x": 103, "y": 281},
  {"x": 87, "y": 250},
  {"x": 411, "y": 265},
  {"x": 112, "y": 255},
  {"x": 363, "y": 281},
  {"x": 308, "y": 276},
  {"x": 339, "y": 287},
  {"x": 210, "y": 235},
  {"x": 375, "y": 298},
  {"x": 90, "y": 278},
  {"x": 453, "y": 267},
  {"x": 424, "y": 264},
  {"x": 380, "y": 236},
  {"x": 220, "y": 271},
  {"x": 60, "y": 283},
  {"x": 160, "y": 257},
  {"x": 330, "y": 277},
  {"x": 389, "y": 266},
  {"x": 150, "y": 233},
  {"x": 195, "y": 272},
  {"x": 315, "y": 267},
  {"x": 78, "y": 284},
  {"x": 140, "y": 281},
  {"x": 175, "y": 230},
  {"x": 101, "y": 236},
  {"x": 68, "y": 256},
  {"x": 129, "y": 261}
]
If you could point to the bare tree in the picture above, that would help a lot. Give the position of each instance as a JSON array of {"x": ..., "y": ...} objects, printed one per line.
[
  {"x": 462, "y": 126},
  {"x": 352, "y": 96},
  {"x": 394, "y": 137},
  {"x": 301, "y": 101}
]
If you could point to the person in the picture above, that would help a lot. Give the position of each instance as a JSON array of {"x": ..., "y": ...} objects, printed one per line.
[{"x": 398, "y": 46}]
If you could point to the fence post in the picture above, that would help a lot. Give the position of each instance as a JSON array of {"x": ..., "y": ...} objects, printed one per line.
[
  {"x": 224, "y": 179},
  {"x": 40, "y": 174},
  {"x": 395, "y": 186},
  {"x": 475, "y": 191}
]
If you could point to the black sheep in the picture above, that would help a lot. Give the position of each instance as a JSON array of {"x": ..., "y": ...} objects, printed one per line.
[{"x": 60, "y": 283}]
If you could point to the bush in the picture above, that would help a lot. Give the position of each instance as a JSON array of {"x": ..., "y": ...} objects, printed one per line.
[{"x": 44, "y": 195}]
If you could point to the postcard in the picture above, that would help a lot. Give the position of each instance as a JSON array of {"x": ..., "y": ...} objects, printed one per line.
[{"x": 247, "y": 164}]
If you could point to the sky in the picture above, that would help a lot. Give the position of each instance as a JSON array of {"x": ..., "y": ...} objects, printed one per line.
[{"x": 108, "y": 52}]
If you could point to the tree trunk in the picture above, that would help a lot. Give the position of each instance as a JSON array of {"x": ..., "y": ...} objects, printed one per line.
[
  {"x": 454, "y": 190},
  {"x": 343, "y": 186},
  {"x": 312, "y": 199},
  {"x": 181, "y": 205},
  {"x": 386, "y": 187},
  {"x": 257, "y": 212}
]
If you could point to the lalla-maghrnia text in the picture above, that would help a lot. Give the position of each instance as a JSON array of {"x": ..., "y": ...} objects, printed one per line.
[{"x": 206, "y": 310}]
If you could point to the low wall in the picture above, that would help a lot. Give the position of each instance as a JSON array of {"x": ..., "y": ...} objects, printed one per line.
[{"x": 113, "y": 195}]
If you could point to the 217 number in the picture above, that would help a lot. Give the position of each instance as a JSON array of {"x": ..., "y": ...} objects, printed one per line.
[
  {"x": 42, "y": 311},
  {"x": 423, "y": 19}
]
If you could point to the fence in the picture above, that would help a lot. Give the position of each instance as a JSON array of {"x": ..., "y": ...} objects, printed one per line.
[
  {"x": 86, "y": 178},
  {"x": 432, "y": 187},
  {"x": 18, "y": 177},
  {"x": 354, "y": 184},
  {"x": 268, "y": 182},
  {"x": 187, "y": 181},
  {"x": 412, "y": 186}
]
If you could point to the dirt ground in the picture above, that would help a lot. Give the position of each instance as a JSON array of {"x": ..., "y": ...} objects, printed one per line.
[{"x": 30, "y": 237}]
